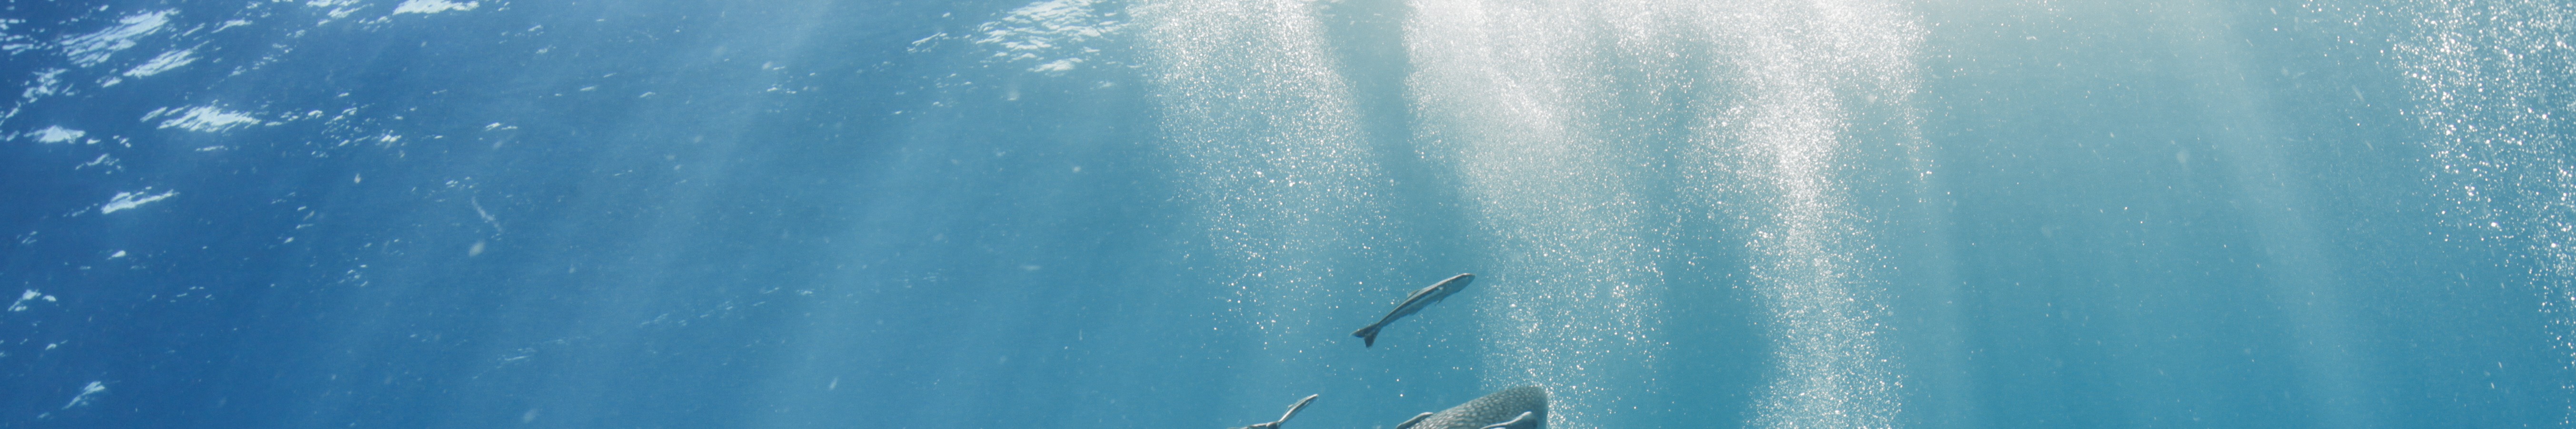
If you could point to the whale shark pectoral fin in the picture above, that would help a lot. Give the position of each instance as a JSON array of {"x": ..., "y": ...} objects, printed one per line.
[
  {"x": 1417, "y": 419},
  {"x": 1368, "y": 335},
  {"x": 1283, "y": 419},
  {"x": 1293, "y": 409},
  {"x": 1515, "y": 421}
]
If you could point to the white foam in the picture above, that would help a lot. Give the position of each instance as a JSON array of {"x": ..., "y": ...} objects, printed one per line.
[
  {"x": 339, "y": 8},
  {"x": 164, "y": 62},
  {"x": 15, "y": 43},
  {"x": 48, "y": 82},
  {"x": 477, "y": 203},
  {"x": 93, "y": 48},
  {"x": 204, "y": 119},
  {"x": 30, "y": 295},
  {"x": 58, "y": 134},
  {"x": 1047, "y": 33},
  {"x": 83, "y": 398},
  {"x": 432, "y": 6},
  {"x": 1057, "y": 65},
  {"x": 128, "y": 200},
  {"x": 103, "y": 160}
]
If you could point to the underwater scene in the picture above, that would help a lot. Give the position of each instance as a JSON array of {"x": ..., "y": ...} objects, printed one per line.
[{"x": 1268, "y": 214}]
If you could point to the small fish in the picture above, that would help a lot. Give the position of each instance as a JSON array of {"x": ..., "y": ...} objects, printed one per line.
[
  {"x": 1414, "y": 303},
  {"x": 1292, "y": 412}
]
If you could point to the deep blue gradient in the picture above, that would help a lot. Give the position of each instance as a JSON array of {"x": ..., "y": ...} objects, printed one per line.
[{"x": 1172, "y": 213}]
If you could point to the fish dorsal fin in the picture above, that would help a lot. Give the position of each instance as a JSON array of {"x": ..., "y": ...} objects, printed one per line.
[{"x": 1417, "y": 419}]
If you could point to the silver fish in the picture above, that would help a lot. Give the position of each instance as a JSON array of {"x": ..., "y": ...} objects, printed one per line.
[{"x": 1414, "y": 303}]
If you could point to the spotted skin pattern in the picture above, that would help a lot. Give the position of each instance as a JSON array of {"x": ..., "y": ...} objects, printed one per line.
[{"x": 1497, "y": 407}]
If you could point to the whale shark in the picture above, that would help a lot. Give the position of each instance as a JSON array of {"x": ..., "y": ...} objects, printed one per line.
[
  {"x": 1522, "y": 407},
  {"x": 1415, "y": 303},
  {"x": 1522, "y": 421}
]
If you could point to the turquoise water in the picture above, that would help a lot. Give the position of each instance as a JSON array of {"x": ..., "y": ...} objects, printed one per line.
[{"x": 1172, "y": 213}]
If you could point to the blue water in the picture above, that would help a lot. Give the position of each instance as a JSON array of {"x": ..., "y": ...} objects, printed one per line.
[{"x": 1171, "y": 213}]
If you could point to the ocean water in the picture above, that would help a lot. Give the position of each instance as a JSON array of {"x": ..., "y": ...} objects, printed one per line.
[{"x": 1172, "y": 213}]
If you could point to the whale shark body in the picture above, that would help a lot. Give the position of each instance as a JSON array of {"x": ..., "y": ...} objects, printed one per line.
[
  {"x": 1522, "y": 407},
  {"x": 1414, "y": 303}
]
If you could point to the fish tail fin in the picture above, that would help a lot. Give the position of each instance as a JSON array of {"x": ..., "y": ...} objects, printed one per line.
[{"x": 1368, "y": 336}]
